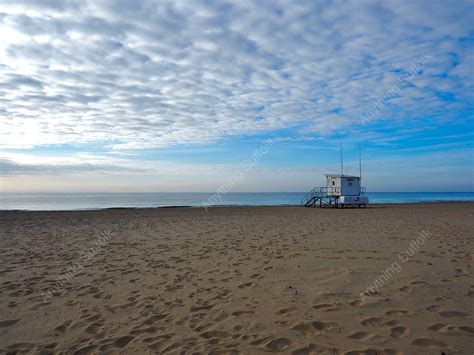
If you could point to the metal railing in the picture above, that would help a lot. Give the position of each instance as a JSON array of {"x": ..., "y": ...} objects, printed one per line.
[
  {"x": 324, "y": 192},
  {"x": 310, "y": 195},
  {"x": 319, "y": 192}
]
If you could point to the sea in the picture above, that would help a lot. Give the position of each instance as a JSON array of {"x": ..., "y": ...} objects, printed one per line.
[{"x": 91, "y": 201}]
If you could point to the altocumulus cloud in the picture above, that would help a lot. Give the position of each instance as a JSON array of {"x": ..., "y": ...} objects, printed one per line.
[{"x": 144, "y": 74}]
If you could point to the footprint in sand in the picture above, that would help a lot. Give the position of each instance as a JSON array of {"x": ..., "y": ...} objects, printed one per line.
[
  {"x": 326, "y": 307},
  {"x": 373, "y": 322},
  {"x": 203, "y": 328},
  {"x": 467, "y": 329},
  {"x": 399, "y": 332},
  {"x": 201, "y": 308},
  {"x": 89, "y": 349},
  {"x": 438, "y": 327},
  {"x": 21, "y": 347},
  {"x": 63, "y": 327},
  {"x": 285, "y": 311},
  {"x": 429, "y": 343},
  {"x": 151, "y": 330},
  {"x": 318, "y": 326},
  {"x": 311, "y": 349},
  {"x": 278, "y": 344},
  {"x": 8, "y": 322},
  {"x": 122, "y": 342},
  {"x": 356, "y": 303},
  {"x": 215, "y": 334},
  {"x": 158, "y": 343},
  {"x": 372, "y": 351},
  {"x": 246, "y": 285},
  {"x": 360, "y": 336},
  {"x": 153, "y": 319},
  {"x": 239, "y": 313},
  {"x": 419, "y": 283},
  {"x": 396, "y": 313},
  {"x": 49, "y": 347},
  {"x": 368, "y": 337},
  {"x": 453, "y": 314}
]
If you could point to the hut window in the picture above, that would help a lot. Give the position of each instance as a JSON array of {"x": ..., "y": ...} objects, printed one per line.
[{"x": 333, "y": 183}]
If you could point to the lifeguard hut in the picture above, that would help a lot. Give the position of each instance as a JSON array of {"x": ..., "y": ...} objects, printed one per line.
[{"x": 340, "y": 190}]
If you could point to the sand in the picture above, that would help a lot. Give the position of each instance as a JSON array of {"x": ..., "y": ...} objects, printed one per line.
[{"x": 239, "y": 280}]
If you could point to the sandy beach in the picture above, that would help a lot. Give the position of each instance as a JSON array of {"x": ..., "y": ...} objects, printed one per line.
[{"x": 388, "y": 279}]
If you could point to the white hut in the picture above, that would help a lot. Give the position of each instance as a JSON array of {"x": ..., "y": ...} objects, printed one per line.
[
  {"x": 340, "y": 190},
  {"x": 347, "y": 189}
]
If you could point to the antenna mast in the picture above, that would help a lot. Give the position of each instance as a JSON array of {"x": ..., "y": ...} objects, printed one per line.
[
  {"x": 360, "y": 165},
  {"x": 342, "y": 165}
]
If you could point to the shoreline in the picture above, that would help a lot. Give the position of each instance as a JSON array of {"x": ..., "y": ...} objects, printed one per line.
[{"x": 234, "y": 206}]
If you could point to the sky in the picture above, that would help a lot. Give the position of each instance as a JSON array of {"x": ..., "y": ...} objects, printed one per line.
[{"x": 182, "y": 96}]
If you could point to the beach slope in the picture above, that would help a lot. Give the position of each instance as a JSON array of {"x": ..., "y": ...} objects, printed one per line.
[{"x": 388, "y": 278}]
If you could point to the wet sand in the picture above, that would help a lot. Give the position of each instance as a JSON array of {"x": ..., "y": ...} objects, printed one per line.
[{"x": 391, "y": 279}]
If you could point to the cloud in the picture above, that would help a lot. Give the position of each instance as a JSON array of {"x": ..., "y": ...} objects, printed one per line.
[
  {"x": 15, "y": 164},
  {"x": 11, "y": 168},
  {"x": 26, "y": 172},
  {"x": 132, "y": 75},
  {"x": 31, "y": 164}
]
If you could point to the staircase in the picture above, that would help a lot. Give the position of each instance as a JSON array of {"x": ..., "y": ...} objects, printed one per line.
[
  {"x": 321, "y": 196},
  {"x": 313, "y": 197}
]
